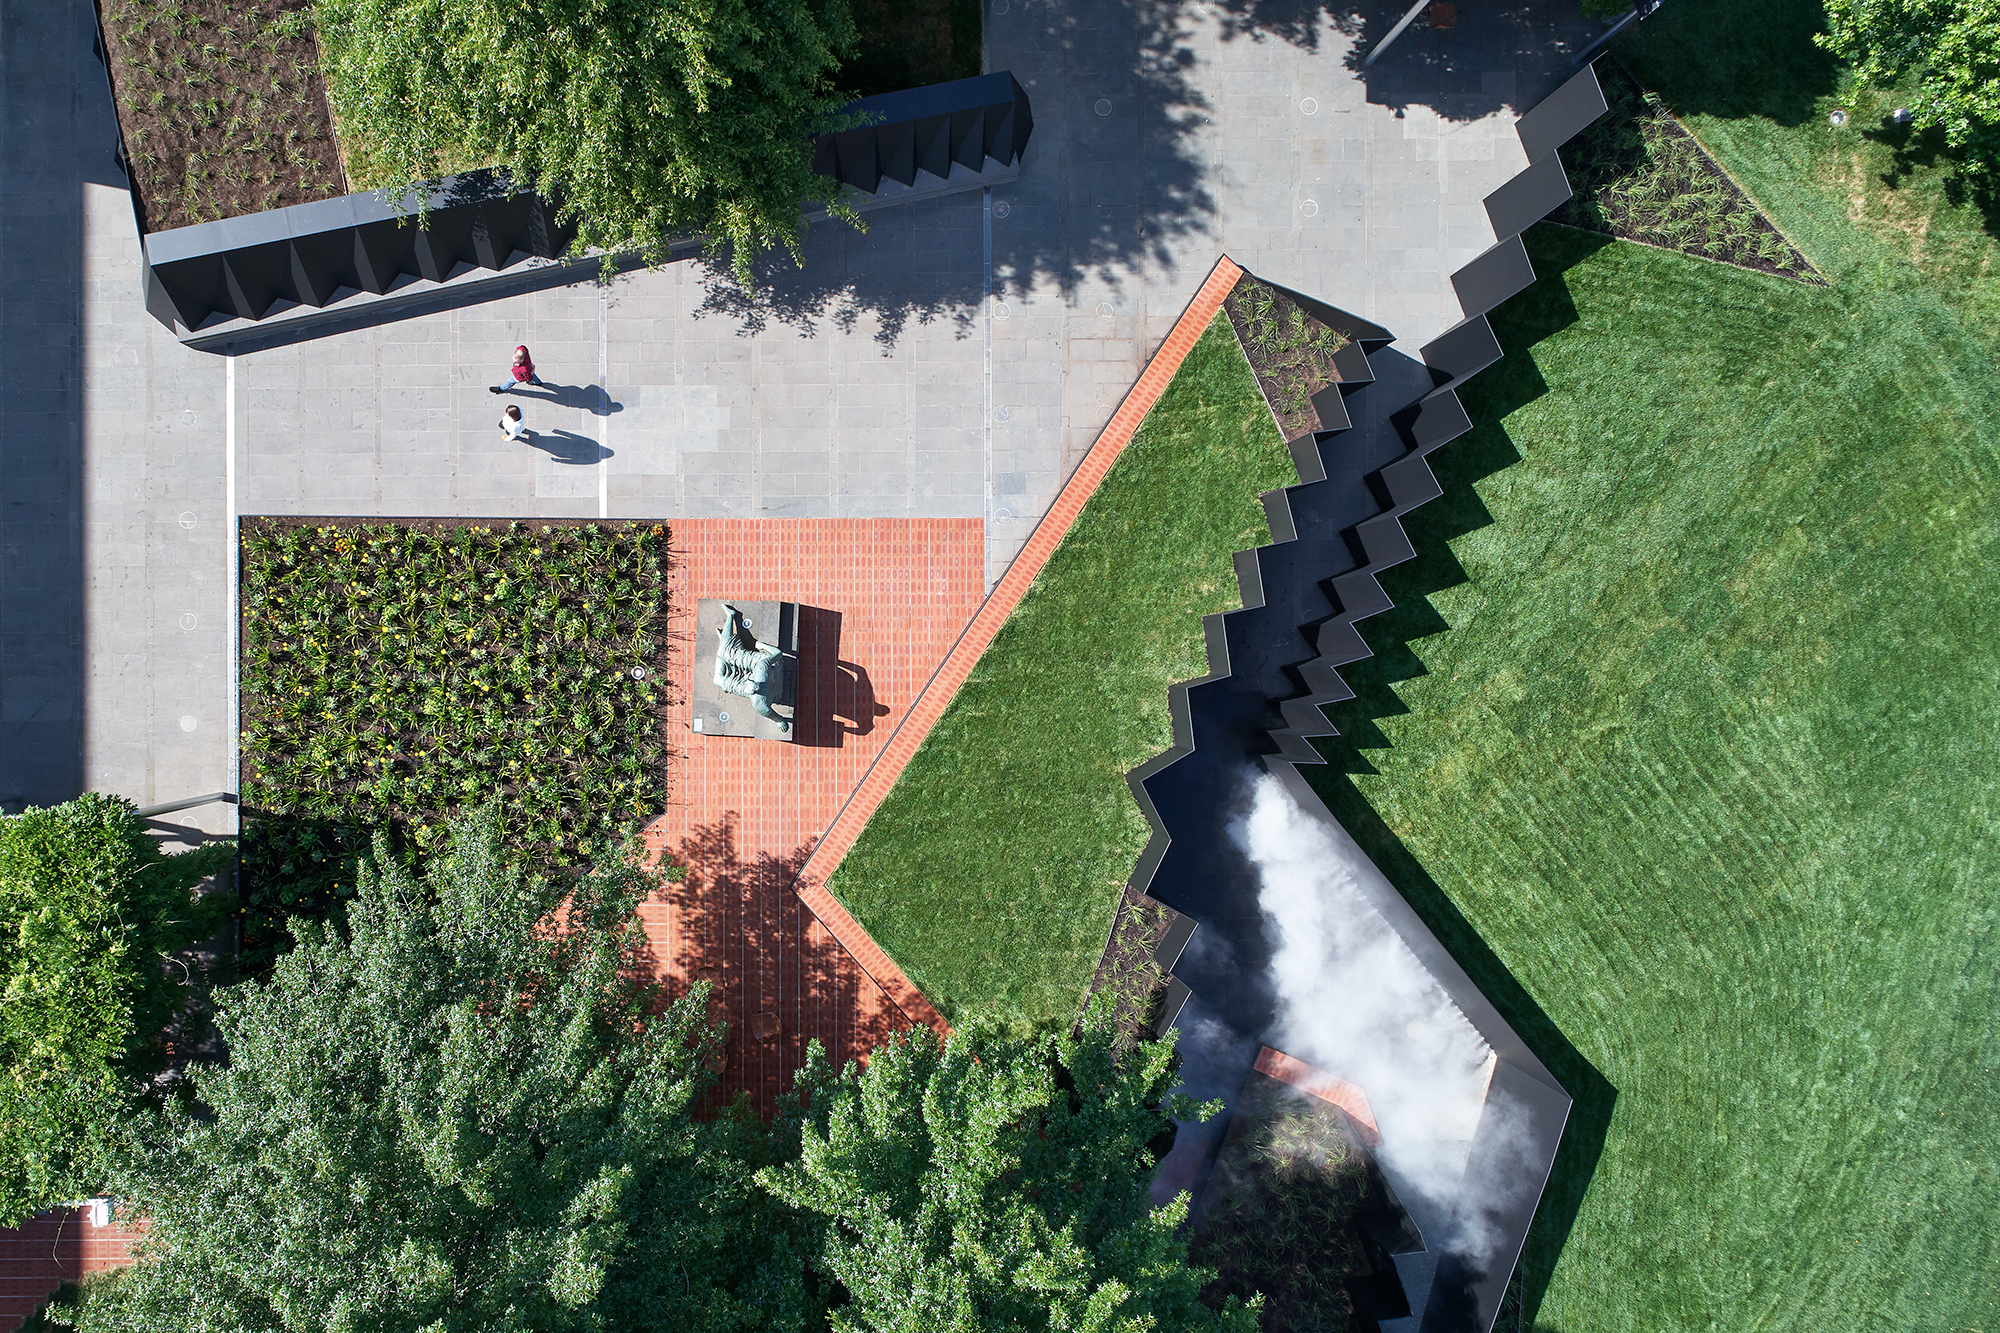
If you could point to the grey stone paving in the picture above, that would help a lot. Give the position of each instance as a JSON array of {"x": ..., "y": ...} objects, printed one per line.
[
  {"x": 956, "y": 360},
  {"x": 114, "y": 605}
]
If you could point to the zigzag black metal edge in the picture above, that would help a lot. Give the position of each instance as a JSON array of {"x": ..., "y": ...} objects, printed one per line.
[{"x": 1427, "y": 424}]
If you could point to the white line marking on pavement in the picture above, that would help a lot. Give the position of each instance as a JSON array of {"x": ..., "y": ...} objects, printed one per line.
[
  {"x": 229, "y": 545},
  {"x": 603, "y": 403},
  {"x": 987, "y": 222}
]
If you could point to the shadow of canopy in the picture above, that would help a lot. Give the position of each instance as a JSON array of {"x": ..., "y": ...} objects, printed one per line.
[{"x": 1147, "y": 194}]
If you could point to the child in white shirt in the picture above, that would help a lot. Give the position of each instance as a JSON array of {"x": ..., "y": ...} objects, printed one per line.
[{"x": 511, "y": 422}]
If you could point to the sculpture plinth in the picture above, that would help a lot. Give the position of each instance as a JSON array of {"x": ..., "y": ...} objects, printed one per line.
[{"x": 746, "y": 669}]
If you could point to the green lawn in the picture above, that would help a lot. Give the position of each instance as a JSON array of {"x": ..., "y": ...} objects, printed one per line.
[
  {"x": 992, "y": 871},
  {"x": 1745, "y": 77},
  {"x": 1683, "y": 737}
]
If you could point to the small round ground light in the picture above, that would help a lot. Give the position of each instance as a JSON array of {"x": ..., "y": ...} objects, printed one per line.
[
  {"x": 1002, "y": 209},
  {"x": 765, "y": 1026},
  {"x": 1103, "y": 107},
  {"x": 1308, "y": 106},
  {"x": 638, "y": 673},
  {"x": 1836, "y": 118}
]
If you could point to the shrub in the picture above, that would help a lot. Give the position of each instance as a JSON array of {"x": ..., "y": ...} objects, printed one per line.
[{"x": 89, "y": 911}]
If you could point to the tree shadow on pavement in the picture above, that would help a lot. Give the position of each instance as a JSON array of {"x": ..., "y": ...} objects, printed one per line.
[
  {"x": 779, "y": 979},
  {"x": 1100, "y": 195}
]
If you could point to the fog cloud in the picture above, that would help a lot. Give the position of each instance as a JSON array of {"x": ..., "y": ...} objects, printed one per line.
[{"x": 1354, "y": 1001}]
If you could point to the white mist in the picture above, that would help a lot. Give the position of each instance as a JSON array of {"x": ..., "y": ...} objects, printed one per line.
[{"x": 1354, "y": 1001}]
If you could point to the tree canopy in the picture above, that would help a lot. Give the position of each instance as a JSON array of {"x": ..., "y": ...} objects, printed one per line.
[
  {"x": 451, "y": 1114},
  {"x": 464, "y": 1110},
  {"x": 647, "y": 121},
  {"x": 90, "y": 910},
  {"x": 988, "y": 1184},
  {"x": 1951, "y": 46}
]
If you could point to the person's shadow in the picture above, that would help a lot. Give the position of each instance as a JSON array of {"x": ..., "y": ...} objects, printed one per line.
[
  {"x": 584, "y": 397},
  {"x": 566, "y": 446},
  {"x": 854, "y": 705}
]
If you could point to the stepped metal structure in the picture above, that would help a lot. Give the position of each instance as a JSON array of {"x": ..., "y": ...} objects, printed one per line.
[
  {"x": 211, "y": 280},
  {"x": 1272, "y": 666}
]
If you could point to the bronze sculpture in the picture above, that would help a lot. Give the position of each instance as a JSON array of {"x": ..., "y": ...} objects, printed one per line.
[{"x": 747, "y": 666}]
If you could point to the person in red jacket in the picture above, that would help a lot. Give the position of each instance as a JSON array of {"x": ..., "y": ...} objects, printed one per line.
[{"x": 523, "y": 372}]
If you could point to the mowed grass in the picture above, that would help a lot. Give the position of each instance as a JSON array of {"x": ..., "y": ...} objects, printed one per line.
[
  {"x": 1683, "y": 735},
  {"x": 992, "y": 871},
  {"x": 1747, "y": 80}
]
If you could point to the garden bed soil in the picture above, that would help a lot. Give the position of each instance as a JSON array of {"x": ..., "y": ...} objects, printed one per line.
[
  {"x": 1640, "y": 176},
  {"x": 420, "y": 668},
  {"x": 1290, "y": 351},
  {"x": 910, "y": 43},
  {"x": 1280, "y": 1212},
  {"x": 221, "y": 108},
  {"x": 1127, "y": 972}
]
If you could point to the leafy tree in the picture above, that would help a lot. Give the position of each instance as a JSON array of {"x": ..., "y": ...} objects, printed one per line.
[
  {"x": 90, "y": 910},
  {"x": 999, "y": 1184},
  {"x": 1952, "y": 46},
  {"x": 454, "y": 1115},
  {"x": 647, "y": 121}
]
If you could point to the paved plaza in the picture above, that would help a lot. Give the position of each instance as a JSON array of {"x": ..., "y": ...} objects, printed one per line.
[{"x": 953, "y": 362}]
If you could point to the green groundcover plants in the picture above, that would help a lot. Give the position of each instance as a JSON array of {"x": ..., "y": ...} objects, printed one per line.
[
  {"x": 90, "y": 912},
  {"x": 395, "y": 674},
  {"x": 992, "y": 872}
]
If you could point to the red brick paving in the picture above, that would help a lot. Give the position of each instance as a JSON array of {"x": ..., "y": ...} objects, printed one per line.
[
  {"x": 47, "y": 1251},
  {"x": 885, "y": 599}
]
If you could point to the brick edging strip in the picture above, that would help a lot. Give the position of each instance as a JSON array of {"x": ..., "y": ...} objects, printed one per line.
[{"x": 944, "y": 683}]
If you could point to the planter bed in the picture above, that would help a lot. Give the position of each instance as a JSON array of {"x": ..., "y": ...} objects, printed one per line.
[
  {"x": 395, "y": 674},
  {"x": 1640, "y": 176},
  {"x": 222, "y": 112},
  {"x": 1128, "y": 972},
  {"x": 1294, "y": 354},
  {"x": 911, "y": 43},
  {"x": 1279, "y": 1213}
]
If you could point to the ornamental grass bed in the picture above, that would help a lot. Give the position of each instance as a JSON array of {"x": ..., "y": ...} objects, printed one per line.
[
  {"x": 221, "y": 106},
  {"x": 396, "y": 674},
  {"x": 1127, "y": 970},
  {"x": 1278, "y": 1215},
  {"x": 1290, "y": 352},
  {"x": 1640, "y": 176}
]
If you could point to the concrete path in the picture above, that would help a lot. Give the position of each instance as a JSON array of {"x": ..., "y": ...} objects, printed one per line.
[
  {"x": 114, "y": 587},
  {"x": 956, "y": 361}
]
